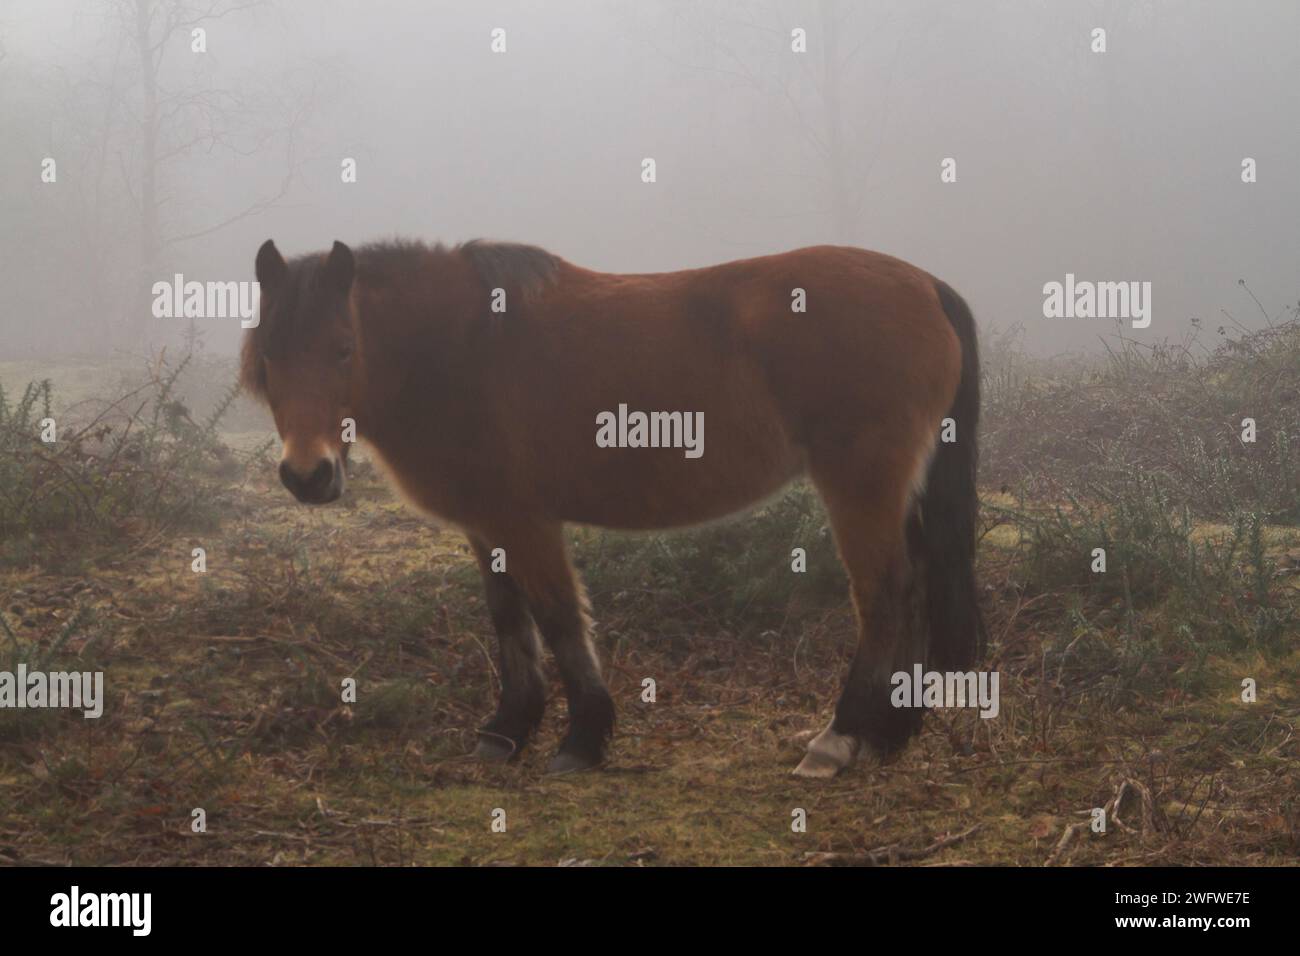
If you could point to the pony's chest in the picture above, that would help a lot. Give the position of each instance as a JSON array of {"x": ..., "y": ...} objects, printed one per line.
[{"x": 449, "y": 491}]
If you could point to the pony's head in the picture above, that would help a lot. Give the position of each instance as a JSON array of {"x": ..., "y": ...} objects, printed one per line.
[{"x": 302, "y": 359}]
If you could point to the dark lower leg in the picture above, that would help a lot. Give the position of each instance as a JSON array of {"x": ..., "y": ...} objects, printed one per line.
[
  {"x": 523, "y": 690},
  {"x": 591, "y": 710},
  {"x": 867, "y": 497},
  {"x": 886, "y": 646}
]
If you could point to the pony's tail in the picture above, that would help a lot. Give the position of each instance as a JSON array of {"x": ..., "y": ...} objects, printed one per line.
[
  {"x": 941, "y": 624},
  {"x": 948, "y": 510}
]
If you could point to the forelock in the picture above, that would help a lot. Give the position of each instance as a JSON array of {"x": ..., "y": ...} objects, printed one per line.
[{"x": 297, "y": 307}]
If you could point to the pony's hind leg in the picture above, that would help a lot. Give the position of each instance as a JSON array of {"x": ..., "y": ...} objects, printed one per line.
[
  {"x": 866, "y": 509},
  {"x": 539, "y": 561},
  {"x": 523, "y": 689}
]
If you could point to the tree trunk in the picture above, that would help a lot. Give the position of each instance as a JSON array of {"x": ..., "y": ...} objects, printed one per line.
[{"x": 142, "y": 315}]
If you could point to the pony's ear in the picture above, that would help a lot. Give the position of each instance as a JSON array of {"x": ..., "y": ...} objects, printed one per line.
[
  {"x": 270, "y": 267},
  {"x": 339, "y": 267}
]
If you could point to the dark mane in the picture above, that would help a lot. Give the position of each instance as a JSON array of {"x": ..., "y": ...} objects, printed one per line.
[
  {"x": 511, "y": 265},
  {"x": 378, "y": 260},
  {"x": 300, "y": 300}
]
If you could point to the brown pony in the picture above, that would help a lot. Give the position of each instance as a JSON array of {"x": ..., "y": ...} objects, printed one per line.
[{"x": 508, "y": 391}]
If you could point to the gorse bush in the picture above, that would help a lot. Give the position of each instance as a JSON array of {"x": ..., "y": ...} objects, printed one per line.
[
  {"x": 1175, "y": 410},
  {"x": 1146, "y": 540},
  {"x": 44, "y": 656},
  {"x": 737, "y": 567},
  {"x": 138, "y": 463},
  {"x": 1217, "y": 581}
]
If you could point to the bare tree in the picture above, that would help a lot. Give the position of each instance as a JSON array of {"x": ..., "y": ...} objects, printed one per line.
[
  {"x": 172, "y": 122},
  {"x": 848, "y": 53}
]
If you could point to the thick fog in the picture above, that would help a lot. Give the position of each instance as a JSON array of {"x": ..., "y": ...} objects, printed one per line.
[{"x": 1123, "y": 165}]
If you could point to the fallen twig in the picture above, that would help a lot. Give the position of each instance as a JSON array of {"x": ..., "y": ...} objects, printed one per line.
[{"x": 886, "y": 855}]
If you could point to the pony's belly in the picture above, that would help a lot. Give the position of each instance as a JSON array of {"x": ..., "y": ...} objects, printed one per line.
[{"x": 657, "y": 498}]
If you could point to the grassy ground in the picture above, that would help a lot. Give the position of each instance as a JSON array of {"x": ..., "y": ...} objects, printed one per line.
[
  {"x": 223, "y": 695},
  {"x": 1120, "y": 691}
]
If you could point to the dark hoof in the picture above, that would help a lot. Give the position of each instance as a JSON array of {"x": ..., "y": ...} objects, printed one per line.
[
  {"x": 568, "y": 762},
  {"x": 494, "y": 748}
]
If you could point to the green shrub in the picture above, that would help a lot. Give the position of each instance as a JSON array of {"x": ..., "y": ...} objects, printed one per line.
[
  {"x": 141, "y": 463},
  {"x": 1084, "y": 426},
  {"x": 1218, "y": 586},
  {"x": 739, "y": 568}
]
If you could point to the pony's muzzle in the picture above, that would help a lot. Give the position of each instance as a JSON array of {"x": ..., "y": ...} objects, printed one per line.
[{"x": 323, "y": 485}]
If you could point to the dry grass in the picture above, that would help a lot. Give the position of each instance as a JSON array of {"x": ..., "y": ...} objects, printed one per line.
[{"x": 223, "y": 695}]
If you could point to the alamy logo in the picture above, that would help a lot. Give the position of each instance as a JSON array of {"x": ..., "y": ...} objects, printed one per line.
[
  {"x": 78, "y": 690},
  {"x": 179, "y": 299},
  {"x": 1098, "y": 300},
  {"x": 103, "y": 909},
  {"x": 651, "y": 430},
  {"x": 946, "y": 689}
]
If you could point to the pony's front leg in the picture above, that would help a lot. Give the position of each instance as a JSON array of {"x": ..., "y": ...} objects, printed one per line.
[
  {"x": 523, "y": 690},
  {"x": 539, "y": 561}
]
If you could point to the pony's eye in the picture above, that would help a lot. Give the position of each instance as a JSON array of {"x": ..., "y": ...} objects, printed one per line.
[{"x": 345, "y": 352}]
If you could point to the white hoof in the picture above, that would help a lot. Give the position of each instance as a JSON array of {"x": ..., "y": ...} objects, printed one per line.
[
  {"x": 828, "y": 754},
  {"x": 817, "y": 767}
]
